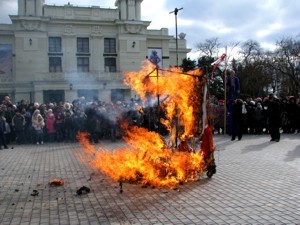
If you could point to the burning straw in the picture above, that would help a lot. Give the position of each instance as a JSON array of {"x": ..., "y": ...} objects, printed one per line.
[{"x": 147, "y": 159}]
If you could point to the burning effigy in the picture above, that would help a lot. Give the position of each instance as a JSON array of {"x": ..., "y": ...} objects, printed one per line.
[{"x": 150, "y": 158}]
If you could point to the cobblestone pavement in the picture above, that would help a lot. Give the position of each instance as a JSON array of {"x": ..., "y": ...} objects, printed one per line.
[{"x": 257, "y": 182}]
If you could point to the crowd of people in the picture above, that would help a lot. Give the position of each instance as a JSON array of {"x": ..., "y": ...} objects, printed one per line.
[
  {"x": 34, "y": 123},
  {"x": 271, "y": 115}
]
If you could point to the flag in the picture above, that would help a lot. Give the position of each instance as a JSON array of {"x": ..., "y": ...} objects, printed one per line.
[{"x": 217, "y": 63}]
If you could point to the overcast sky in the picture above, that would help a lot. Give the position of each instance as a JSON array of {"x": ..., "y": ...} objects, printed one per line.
[{"x": 264, "y": 21}]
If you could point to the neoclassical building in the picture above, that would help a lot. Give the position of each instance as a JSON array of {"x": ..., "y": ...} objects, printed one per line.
[{"x": 59, "y": 53}]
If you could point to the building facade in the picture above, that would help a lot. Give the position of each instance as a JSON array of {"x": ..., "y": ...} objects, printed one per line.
[{"x": 59, "y": 53}]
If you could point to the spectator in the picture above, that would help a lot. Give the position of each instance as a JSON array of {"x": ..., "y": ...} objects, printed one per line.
[
  {"x": 249, "y": 126},
  {"x": 2, "y": 131},
  {"x": 284, "y": 117},
  {"x": 18, "y": 124},
  {"x": 8, "y": 115},
  {"x": 38, "y": 125},
  {"x": 274, "y": 118},
  {"x": 50, "y": 126},
  {"x": 237, "y": 127},
  {"x": 79, "y": 121},
  {"x": 28, "y": 129},
  {"x": 292, "y": 114},
  {"x": 69, "y": 126},
  {"x": 6, "y": 101},
  {"x": 59, "y": 127},
  {"x": 258, "y": 119},
  {"x": 233, "y": 92}
]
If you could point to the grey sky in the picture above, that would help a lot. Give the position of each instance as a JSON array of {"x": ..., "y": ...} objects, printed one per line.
[
  {"x": 264, "y": 21},
  {"x": 239, "y": 20}
]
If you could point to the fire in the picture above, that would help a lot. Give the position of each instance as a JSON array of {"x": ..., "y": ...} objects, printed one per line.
[
  {"x": 182, "y": 92},
  {"x": 148, "y": 159}
]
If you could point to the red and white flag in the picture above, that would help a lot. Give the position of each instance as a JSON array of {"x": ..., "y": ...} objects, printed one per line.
[{"x": 217, "y": 63}]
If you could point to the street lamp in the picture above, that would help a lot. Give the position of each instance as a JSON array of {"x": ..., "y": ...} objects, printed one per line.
[{"x": 175, "y": 12}]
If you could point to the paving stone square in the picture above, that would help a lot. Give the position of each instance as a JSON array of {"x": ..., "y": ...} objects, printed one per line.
[{"x": 257, "y": 182}]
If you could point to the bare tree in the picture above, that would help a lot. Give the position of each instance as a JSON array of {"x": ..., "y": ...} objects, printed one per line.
[
  {"x": 254, "y": 74},
  {"x": 286, "y": 64},
  {"x": 210, "y": 47},
  {"x": 250, "y": 50}
]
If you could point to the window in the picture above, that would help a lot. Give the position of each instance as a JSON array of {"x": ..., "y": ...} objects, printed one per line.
[
  {"x": 54, "y": 96},
  {"x": 55, "y": 64},
  {"x": 55, "y": 53},
  {"x": 110, "y": 45},
  {"x": 89, "y": 95},
  {"x": 83, "y": 45},
  {"x": 110, "y": 64},
  {"x": 118, "y": 95},
  {"x": 83, "y": 64},
  {"x": 54, "y": 44}
]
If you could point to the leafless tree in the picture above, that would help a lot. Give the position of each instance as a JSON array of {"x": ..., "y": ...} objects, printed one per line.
[
  {"x": 286, "y": 64},
  {"x": 254, "y": 75},
  {"x": 210, "y": 47}
]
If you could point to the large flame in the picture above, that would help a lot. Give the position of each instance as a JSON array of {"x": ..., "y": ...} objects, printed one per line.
[
  {"x": 147, "y": 159},
  {"x": 182, "y": 91}
]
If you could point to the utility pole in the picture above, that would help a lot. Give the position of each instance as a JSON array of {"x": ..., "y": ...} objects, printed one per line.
[{"x": 176, "y": 12}]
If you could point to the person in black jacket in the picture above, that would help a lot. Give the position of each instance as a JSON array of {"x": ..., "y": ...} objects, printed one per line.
[
  {"x": 2, "y": 130},
  {"x": 274, "y": 118},
  {"x": 18, "y": 123},
  {"x": 292, "y": 111},
  {"x": 237, "y": 125}
]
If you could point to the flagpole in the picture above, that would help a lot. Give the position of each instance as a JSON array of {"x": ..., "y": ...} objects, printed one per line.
[
  {"x": 204, "y": 112},
  {"x": 225, "y": 94}
]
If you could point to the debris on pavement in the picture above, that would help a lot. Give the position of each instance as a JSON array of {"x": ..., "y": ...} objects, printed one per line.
[
  {"x": 83, "y": 190},
  {"x": 35, "y": 193},
  {"x": 56, "y": 183}
]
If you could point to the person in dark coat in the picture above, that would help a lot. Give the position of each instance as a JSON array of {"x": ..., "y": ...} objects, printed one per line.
[
  {"x": 69, "y": 126},
  {"x": 274, "y": 118},
  {"x": 292, "y": 111},
  {"x": 2, "y": 130},
  {"x": 284, "y": 117},
  {"x": 237, "y": 125},
  {"x": 18, "y": 123},
  {"x": 28, "y": 129},
  {"x": 258, "y": 116},
  {"x": 233, "y": 93}
]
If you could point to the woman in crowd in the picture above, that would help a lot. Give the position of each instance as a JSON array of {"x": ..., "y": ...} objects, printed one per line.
[{"x": 38, "y": 125}]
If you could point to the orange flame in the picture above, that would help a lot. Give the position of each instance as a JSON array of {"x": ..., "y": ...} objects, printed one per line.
[
  {"x": 147, "y": 158},
  {"x": 181, "y": 91}
]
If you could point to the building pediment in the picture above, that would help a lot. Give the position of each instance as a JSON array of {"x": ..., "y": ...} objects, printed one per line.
[
  {"x": 133, "y": 29},
  {"x": 31, "y": 25}
]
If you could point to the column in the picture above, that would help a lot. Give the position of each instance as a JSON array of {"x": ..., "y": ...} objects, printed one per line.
[
  {"x": 131, "y": 10},
  {"x": 138, "y": 9}
]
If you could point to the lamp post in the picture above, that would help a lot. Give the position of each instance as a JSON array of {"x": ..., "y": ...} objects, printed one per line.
[{"x": 176, "y": 12}]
